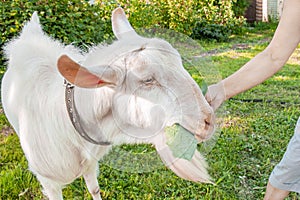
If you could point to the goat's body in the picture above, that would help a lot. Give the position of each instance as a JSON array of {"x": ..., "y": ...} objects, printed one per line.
[
  {"x": 32, "y": 91},
  {"x": 142, "y": 102}
]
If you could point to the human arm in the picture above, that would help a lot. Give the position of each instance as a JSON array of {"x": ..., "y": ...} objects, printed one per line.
[{"x": 266, "y": 63}]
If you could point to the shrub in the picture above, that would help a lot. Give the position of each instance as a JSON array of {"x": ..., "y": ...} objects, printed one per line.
[
  {"x": 82, "y": 24},
  {"x": 205, "y": 30},
  {"x": 180, "y": 15},
  {"x": 169, "y": 14},
  {"x": 69, "y": 21},
  {"x": 240, "y": 6},
  {"x": 218, "y": 21}
]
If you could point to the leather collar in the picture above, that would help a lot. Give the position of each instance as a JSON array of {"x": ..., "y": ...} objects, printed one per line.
[{"x": 75, "y": 118}]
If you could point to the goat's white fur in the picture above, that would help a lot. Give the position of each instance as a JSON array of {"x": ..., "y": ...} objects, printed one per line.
[{"x": 33, "y": 101}]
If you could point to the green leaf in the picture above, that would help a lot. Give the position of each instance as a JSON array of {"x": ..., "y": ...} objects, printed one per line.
[{"x": 182, "y": 143}]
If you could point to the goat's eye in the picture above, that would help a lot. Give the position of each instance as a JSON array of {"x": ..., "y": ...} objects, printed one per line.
[{"x": 148, "y": 81}]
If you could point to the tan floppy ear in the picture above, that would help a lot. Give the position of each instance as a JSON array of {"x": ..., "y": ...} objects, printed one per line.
[
  {"x": 82, "y": 77},
  {"x": 120, "y": 25}
]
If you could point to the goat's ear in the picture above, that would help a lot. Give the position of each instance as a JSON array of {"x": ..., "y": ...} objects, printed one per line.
[
  {"x": 82, "y": 77},
  {"x": 120, "y": 25}
]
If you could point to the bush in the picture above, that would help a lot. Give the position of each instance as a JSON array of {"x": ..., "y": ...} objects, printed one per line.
[
  {"x": 240, "y": 6},
  {"x": 218, "y": 21},
  {"x": 204, "y": 30},
  {"x": 82, "y": 24},
  {"x": 69, "y": 21},
  {"x": 181, "y": 16},
  {"x": 169, "y": 14}
]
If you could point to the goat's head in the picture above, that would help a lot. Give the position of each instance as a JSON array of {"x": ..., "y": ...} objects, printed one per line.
[{"x": 152, "y": 89}]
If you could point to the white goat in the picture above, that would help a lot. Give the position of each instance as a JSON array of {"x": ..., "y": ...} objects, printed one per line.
[{"x": 127, "y": 92}]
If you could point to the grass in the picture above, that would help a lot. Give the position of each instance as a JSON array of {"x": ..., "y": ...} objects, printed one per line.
[{"x": 251, "y": 140}]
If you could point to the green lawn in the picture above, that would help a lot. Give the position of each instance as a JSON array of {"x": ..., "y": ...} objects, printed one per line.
[{"x": 251, "y": 139}]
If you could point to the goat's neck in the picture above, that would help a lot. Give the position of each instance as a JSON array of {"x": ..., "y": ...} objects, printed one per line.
[{"x": 92, "y": 106}]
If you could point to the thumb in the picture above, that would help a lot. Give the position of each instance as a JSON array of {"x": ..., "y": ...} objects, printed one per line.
[{"x": 214, "y": 96}]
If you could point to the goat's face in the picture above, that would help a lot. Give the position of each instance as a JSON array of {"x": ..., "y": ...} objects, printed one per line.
[{"x": 152, "y": 89}]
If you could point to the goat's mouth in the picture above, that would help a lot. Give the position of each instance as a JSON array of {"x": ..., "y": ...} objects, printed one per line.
[
  {"x": 207, "y": 131},
  {"x": 183, "y": 141},
  {"x": 202, "y": 131}
]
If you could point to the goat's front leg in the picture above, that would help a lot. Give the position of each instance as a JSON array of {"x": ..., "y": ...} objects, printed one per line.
[
  {"x": 91, "y": 181},
  {"x": 52, "y": 190}
]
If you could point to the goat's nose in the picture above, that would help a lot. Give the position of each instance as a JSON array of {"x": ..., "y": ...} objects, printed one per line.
[
  {"x": 209, "y": 127},
  {"x": 209, "y": 121}
]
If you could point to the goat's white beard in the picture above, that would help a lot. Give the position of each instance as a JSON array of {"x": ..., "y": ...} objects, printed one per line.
[{"x": 137, "y": 117}]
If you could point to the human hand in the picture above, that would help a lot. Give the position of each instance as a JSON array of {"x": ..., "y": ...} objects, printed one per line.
[{"x": 215, "y": 95}]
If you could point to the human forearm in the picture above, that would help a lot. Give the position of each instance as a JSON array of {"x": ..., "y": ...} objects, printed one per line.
[
  {"x": 265, "y": 64},
  {"x": 260, "y": 68},
  {"x": 268, "y": 62}
]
